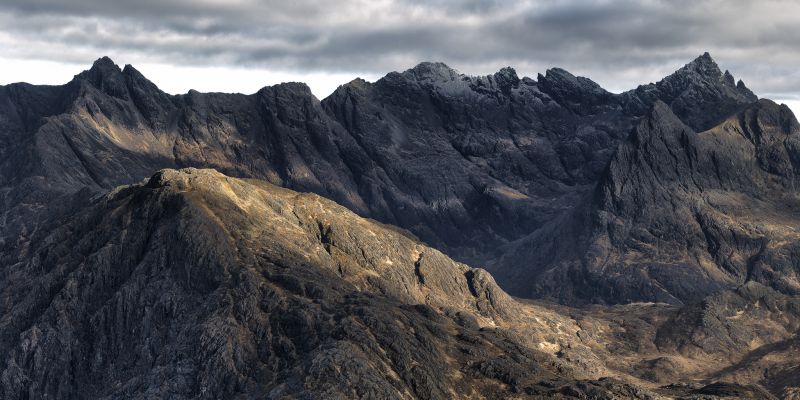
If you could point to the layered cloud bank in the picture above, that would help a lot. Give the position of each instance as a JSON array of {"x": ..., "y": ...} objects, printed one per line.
[{"x": 242, "y": 45}]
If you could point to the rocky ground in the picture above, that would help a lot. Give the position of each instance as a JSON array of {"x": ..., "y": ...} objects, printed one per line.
[{"x": 196, "y": 285}]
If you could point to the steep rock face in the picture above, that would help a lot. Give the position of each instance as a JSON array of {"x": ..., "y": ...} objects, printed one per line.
[
  {"x": 474, "y": 166},
  {"x": 752, "y": 319},
  {"x": 196, "y": 285},
  {"x": 679, "y": 215},
  {"x": 193, "y": 284},
  {"x": 526, "y": 152},
  {"x": 700, "y": 94},
  {"x": 728, "y": 321},
  {"x": 468, "y": 163},
  {"x": 111, "y": 126},
  {"x": 119, "y": 128}
]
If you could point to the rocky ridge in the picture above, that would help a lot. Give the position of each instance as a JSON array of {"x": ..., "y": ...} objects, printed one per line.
[
  {"x": 678, "y": 215},
  {"x": 196, "y": 285},
  {"x": 193, "y": 284},
  {"x": 470, "y": 164}
]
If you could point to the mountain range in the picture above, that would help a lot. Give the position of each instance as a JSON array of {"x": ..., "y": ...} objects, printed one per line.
[{"x": 191, "y": 246}]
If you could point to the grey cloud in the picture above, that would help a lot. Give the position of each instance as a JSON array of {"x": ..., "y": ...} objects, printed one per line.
[{"x": 612, "y": 42}]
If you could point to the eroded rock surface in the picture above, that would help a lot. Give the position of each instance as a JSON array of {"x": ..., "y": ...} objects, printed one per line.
[
  {"x": 197, "y": 285},
  {"x": 677, "y": 216},
  {"x": 194, "y": 284},
  {"x": 472, "y": 165}
]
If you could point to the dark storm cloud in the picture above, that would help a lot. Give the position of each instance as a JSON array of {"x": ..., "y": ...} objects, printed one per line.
[{"x": 618, "y": 43}]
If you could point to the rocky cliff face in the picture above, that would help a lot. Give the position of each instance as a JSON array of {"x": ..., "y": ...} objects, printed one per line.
[
  {"x": 678, "y": 215},
  {"x": 470, "y": 165},
  {"x": 700, "y": 94},
  {"x": 196, "y": 285}
]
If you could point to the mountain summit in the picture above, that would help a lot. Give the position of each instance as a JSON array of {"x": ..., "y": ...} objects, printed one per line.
[
  {"x": 473, "y": 165},
  {"x": 699, "y": 93}
]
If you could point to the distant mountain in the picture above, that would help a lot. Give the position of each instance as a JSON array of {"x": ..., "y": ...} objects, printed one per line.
[
  {"x": 677, "y": 215},
  {"x": 474, "y": 166}
]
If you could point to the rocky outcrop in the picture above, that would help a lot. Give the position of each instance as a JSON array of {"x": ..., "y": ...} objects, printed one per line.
[
  {"x": 700, "y": 94},
  {"x": 196, "y": 285},
  {"x": 677, "y": 216},
  {"x": 745, "y": 318},
  {"x": 193, "y": 284}
]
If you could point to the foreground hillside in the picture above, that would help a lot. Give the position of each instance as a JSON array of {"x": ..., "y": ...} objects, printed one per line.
[
  {"x": 196, "y": 285},
  {"x": 199, "y": 285}
]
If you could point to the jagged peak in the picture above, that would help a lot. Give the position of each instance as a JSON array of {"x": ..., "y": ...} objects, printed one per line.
[
  {"x": 745, "y": 90},
  {"x": 440, "y": 72},
  {"x": 704, "y": 58},
  {"x": 562, "y": 81},
  {"x": 300, "y": 87},
  {"x": 355, "y": 85},
  {"x": 440, "y": 77},
  {"x": 703, "y": 65},
  {"x": 699, "y": 82},
  {"x": 660, "y": 110},
  {"x": 506, "y": 78},
  {"x": 428, "y": 70},
  {"x": 728, "y": 79},
  {"x": 106, "y": 76},
  {"x": 558, "y": 72},
  {"x": 563, "y": 77},
  {"x": 123, "y": 83},
  {"x": 138, "y": 79},
  {"x": 555, "y": 75},
  {"x": 704, "y": 68},
  {"x": 507, "y": 71},
  {"x": 105, "y": 62},
  {"x": 740, "y": 84},
  {"x": 581, "y": 95},
  {"x": 105, "y": 68},
  {"x": 358, "y": 82},
  {"x": 101, "y": 68},
  {"x": 294, "y": 89},
  {"x": 428, "y": 66},
  {"x": 130, "y": 70},
  {"x": 704, "y": 61}
]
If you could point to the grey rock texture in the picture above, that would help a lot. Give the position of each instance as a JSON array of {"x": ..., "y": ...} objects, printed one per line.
[
  {"x": 677, "y": 216},
  {"x": 197, "y": 285},
  {"x": 474, "y": 166},
  {"x": 700, "y": 94},
  {"x": 730, "y": 320}
]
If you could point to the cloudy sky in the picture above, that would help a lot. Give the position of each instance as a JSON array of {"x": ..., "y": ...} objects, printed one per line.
[{"x": 242, "y": 45}]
